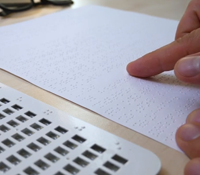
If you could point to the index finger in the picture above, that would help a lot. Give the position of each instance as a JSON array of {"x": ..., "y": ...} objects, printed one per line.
[{"x": 165, "y": 58}]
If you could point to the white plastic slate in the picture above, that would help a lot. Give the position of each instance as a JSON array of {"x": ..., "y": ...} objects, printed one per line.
[{"x": 36, "y": 138}]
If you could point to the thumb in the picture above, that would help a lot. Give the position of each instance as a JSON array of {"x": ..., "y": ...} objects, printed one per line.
[
  {"x": 165, "y": 58},
  {"x": 188, "y": 69}
]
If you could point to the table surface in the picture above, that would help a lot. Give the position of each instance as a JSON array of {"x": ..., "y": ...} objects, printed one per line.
[{"x": 173, "y": 162}]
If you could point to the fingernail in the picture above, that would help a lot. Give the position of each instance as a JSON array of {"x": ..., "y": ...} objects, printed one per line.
[
  {"x": 195, "y": 116},
  {"x": 193, "y": 167},
  {"x": 189, "y": 132},
  {"x": 189, "y": 66}
]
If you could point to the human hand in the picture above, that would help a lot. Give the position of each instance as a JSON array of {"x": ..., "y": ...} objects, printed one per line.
[{"x": 182, "y": 55}]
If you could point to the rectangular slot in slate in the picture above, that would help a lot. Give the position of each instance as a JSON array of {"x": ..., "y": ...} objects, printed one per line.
[
  {"x": 1, "y": 149},
  {"x": 27, "y": 131},
  {"x": 21, "y": 118},
  {"x": 3, "y": 167},
  {"x": 70, "y": 145},
  {"x": 4, "y": 128},
  {"x": 71, "y": 169},
  {"x": 81, "y": 162},
  {"x": 119, "y": 159},
  {"x": 18, "y": 137},
  {"x": 13, "y": 123},
  {"x": 8, "y": 143},
  {"x": 4, "y": 100},
  {"x": 41, "y": 164},
  {"x": 30, "y": 114},
  {"x": 36, "y": 126},
  {"x": 51, "y": 157},
  {"x": 2, "y": 116},
  {"x": 59, "y": 173},
  {"x": 8, "y": 111},
  {"x": 52, "y": 135},
  {"x": 43, "y": 141},
  {"x": 34, "y": 147},
  {"x": 98, "y": 148},
  {"x": 31, "y": 171},
  {"x": 79, "y": 139},
  {"x": 89, "y": 155},
  {"x": 61, "y": 130},
  {"x": 101, "y": 172},
  {"x": 45, "y": 122},
  {"x": 61, "y": 151},
  {"x": 111, "y": 166},
  {"x": 14, "y": 160},
  {"x": 16, "y": 107},
  {"x": 24, "y": 153}
]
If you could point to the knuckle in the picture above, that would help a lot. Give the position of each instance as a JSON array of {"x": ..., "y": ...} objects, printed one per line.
[
  {"x": 194, "y": 4},
  {"x": 190, "y": 41},
  {"x": 179, "y": 40},
  {"x": 189, "y": 38}
]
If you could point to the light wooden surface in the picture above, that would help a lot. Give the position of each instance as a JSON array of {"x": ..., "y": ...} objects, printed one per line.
[{"x": 173, "y": 162}]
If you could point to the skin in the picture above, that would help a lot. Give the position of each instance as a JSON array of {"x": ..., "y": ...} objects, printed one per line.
[{"x": 182, "y": 56}]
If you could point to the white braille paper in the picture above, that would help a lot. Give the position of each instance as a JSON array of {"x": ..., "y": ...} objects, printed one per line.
[{"x": 82, "y": 55}]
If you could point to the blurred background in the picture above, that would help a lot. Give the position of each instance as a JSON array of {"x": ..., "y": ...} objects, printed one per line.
[{"x": 172, "y": 9}]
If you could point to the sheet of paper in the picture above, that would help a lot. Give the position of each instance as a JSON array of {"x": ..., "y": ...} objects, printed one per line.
[{"x": 82, "y": 55}]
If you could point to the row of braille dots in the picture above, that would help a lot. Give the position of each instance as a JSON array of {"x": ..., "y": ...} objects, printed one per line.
[
  {"x": 42, "y": 59},
  {"x": 37, "y": 33}
]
